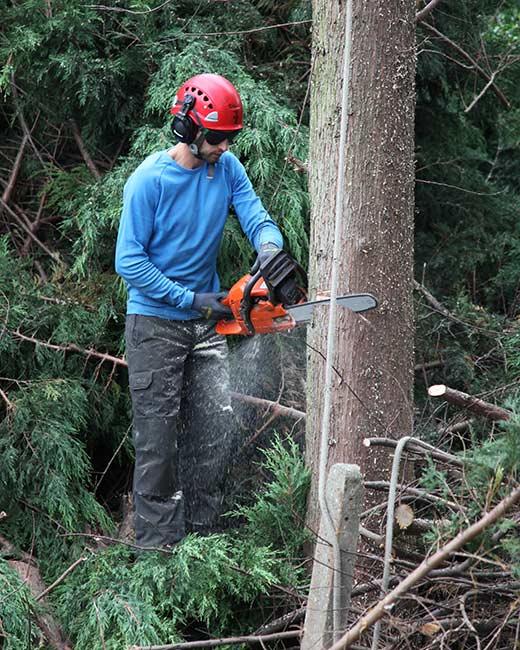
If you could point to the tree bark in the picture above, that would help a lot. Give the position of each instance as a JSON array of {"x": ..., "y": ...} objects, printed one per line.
[{"x": 374, "y": 354}]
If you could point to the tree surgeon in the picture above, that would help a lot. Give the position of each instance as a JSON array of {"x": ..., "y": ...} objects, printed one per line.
[{"x": 175, "y": 205}]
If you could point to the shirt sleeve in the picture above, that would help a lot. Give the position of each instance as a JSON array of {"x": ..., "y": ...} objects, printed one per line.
[
  {"x": 132, "y": 260},
  {"x": 256, "y": 223}
]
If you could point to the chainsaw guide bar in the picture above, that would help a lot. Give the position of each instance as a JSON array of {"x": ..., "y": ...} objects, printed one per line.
[{"x": 357, "y": 302}]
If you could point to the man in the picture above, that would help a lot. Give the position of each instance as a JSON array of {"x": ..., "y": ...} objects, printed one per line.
[{"x": 175, "y": 206}]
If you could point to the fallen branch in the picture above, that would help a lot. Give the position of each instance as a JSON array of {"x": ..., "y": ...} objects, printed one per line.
[
  {"x": 387, "y": 603},
  {"x": 469, "y": 402},
  {"x": 428, "y": 365},
  {"x": 421, "y": 494},
  {"x": 457, "y": 427},
  {"x": 274, "y": 407},
  {"x": 416, "y": 446},
  {"x": 211, "y": 643},
  {"x": 283, "y": 622}
]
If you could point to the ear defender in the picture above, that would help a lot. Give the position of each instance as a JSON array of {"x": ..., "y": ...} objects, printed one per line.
[{"x": 183, "y": 127}]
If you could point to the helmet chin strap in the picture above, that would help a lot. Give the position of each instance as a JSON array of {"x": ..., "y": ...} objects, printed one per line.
[{"x": 195, "y": 145}]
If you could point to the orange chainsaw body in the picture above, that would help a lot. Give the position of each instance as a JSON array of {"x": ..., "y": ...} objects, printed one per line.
[{"x": 265, "y": 317}]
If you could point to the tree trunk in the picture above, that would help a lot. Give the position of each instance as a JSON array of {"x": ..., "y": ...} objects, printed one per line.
[{"x": 374, "y": 354}]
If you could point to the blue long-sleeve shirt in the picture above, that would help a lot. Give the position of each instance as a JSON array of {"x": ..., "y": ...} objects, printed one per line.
[{"x": 171, "y": 226}]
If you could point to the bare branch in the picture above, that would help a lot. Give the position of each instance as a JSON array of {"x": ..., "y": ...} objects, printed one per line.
[
  {"x": 439, "y": 308},
  {"x": 211, "y": 643},
  {"x": 298, "y": 164},
  {"x": 421, "y": 494},
  {"x": 421, "y": 15},
  {"x": 243, "y": 31},
  {"x": 85, "y": 154},
  {"x": 482, "y": 92},
  {"x": 71, "y": 347},
  {"x": 34, "y": 226},
  {"x": 128, "y": 11},
  {"x": 28, "y": 230},
  {"x": 433, "y": 302},
  {"x": 418, "y": 447},
  {"x": 484, "y": 75},
  {"x": 457, "y": 187},
  {"x": 428, "y": 365},
  {"x": 274, "y": 407},
  {"x": 8, "y": 404},
  {"x": 14, "y": 172},
  {"x": 61, "y": 578}
]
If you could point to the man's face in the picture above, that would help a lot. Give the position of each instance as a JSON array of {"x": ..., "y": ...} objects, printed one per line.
[
  {"x": 215, "y": 144},
  {"x": 212, "y": 152}
]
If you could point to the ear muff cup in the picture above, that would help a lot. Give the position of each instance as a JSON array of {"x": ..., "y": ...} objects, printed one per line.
[{"x": 184, "y": 128}]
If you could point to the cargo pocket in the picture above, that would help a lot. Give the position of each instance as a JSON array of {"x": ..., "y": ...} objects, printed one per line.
[{"x": 141, "y": 391}]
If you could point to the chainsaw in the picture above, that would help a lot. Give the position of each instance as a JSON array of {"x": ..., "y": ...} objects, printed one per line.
[{"x": 269, "y": 299}]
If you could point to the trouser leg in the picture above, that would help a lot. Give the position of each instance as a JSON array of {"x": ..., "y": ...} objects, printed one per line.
[
  {"x": 156, "y": 350},
  {"x": 208, "y": 433}
]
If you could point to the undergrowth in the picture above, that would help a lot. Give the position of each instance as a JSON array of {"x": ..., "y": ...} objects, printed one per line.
[{"x": 221, "y": 584}]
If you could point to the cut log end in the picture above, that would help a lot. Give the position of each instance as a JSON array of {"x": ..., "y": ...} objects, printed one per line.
[{"x": 437, "y": 390}]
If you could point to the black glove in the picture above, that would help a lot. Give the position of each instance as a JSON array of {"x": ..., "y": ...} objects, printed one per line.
[
  {"x": 267, "y": 249},
  {"x": 210, "y": 306}
]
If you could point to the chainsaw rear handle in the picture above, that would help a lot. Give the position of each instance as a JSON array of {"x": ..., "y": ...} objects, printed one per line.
[{"x": 246, "y": 304}]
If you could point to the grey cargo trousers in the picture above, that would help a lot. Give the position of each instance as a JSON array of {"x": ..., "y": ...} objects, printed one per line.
[{"x": 184, "y": 429}]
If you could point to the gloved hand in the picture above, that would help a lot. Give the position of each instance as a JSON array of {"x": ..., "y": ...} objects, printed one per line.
[
  {"x": 266, "y": 250},
  {"x": 211, "y": 307}
]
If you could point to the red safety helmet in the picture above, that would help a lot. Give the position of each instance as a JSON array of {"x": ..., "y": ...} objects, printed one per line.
[{"x": 210, "y": 102}]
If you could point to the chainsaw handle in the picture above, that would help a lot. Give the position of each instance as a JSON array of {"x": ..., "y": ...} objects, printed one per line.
[
  {"x": 256, "y": 267},
  {"x": 246, "y": 304}
]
